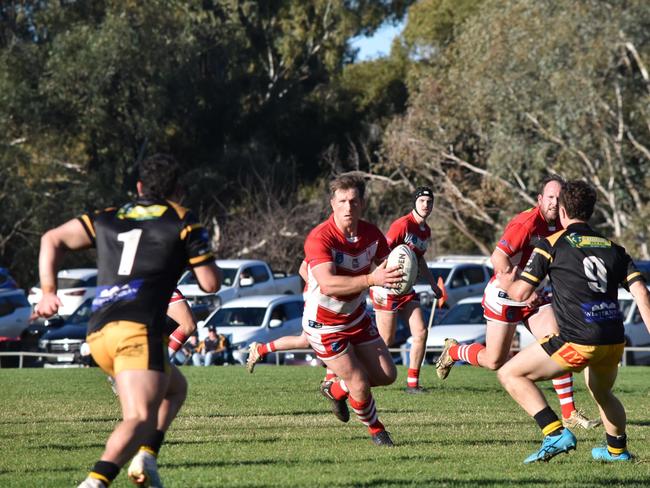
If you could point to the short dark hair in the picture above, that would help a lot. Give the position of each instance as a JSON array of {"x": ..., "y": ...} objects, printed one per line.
[
  {"x": 348, "y": 182},
  {"x": 548, "y": 179},
  {"x": 159, "y": 176},
  {"x": 578, "y": 199}
]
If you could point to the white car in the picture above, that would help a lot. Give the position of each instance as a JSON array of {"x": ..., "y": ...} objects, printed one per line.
[
  {"x": 255, "y": 319},
  {"x": 15, "y": 311},
  {"x": 636, "y": 333},
  {"x": 465, "y": 323},
  {"x": 463, "y": 276},
  {"x": 75, "y": 286}
]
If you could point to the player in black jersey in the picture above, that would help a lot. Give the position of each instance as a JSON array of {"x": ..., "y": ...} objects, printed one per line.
[
  {"x": 585, "y": 270},
  {"x": 142, "y": 248}
]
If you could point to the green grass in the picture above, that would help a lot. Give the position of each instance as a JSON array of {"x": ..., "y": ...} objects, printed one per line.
[{"x": 274, "y": 429}]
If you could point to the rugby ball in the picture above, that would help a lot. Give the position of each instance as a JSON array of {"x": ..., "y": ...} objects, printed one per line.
[{"x": 405, "y": 259}]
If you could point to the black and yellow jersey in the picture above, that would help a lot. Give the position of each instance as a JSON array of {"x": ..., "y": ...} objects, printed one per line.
[
  {"x": 585, "y": 270},
  {"x": 142, "y": 249}
]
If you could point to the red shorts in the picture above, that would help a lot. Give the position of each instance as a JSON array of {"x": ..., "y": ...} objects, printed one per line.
[
  {"x": 496, "y": 311},
  {"x": 383, "y": 300},
  {"x": 330, "y": 345}
]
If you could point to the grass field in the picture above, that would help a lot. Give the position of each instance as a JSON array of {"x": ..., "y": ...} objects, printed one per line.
[{"x": 274, "y": 429}]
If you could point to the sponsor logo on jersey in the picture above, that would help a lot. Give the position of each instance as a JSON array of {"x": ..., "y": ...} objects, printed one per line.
[
  {"x": 415, "y": 243},
  {"x": 506, "y": 244},
  {"x": 132, "y": 211},
  {"x": 572, "y": 357},
  {"x": 595, "y": 312},
  {"x": 581, "y": 242},
  {"x": 355, "y": 263},
  {"x": 114, "y": 293},
  {"x": 338, "y": 257},
  {"x": 336, "y": 346}
]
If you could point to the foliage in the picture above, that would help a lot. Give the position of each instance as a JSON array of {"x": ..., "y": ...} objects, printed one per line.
[{"x": 524, "y": 89}]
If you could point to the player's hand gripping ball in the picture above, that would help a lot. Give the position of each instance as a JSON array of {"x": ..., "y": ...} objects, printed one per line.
[{"x": 404, "y": 258}]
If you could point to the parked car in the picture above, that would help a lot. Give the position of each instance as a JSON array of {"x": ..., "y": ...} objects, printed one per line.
[
  {"x": 74, "y": 286},
  {"x": 256, "y": 319},
  {"x": 240, "y": 278},
  {"x": 67, "y": 336},
  {"x": 15, "y": 311},
  {"x": 636, "y": 333},
  {"x": 465, "y": 323},
  {"x": 463, "y": 276},
  {"x": 6, "y": 280}
]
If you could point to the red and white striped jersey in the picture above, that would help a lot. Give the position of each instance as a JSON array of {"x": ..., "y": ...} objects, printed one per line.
[
  {"x": 351, "y": 257},
  {"x": 522, "y": 234},
  {"x": 406, "y": 230}
]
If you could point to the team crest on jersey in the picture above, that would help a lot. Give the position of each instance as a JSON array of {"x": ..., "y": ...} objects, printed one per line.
[
  {"x": 336, "y": 346},
  {"x": 581, "y": 242},
  {"x": 355, "y": 263},
  {"x": 141, "y": 212},
  {"x": 338, "y": 257}
]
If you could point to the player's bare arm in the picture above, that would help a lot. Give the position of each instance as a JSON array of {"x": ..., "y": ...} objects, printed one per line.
[
  {"x": 517, "y": 290},
  {"x": 303, "y": 271},
  {"x": 642, "y": 299},
  {"x": 209, "y": 277},
  {"x": 500, "y": 261},
  {"x": 54, "y": 244},
  {"x": 333, "y": 284},
  {"x": 181, "y": 313}
]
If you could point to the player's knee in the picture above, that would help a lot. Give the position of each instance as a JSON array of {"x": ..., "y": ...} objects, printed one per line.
[{"x": 504, "y": 377}]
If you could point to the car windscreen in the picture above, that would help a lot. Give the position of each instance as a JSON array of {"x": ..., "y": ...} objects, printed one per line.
[
  {"x": 227, "y": 277},
  {"x": 464, "y": 313},
  {"x": 238, "y": 317},
  {"x": 436, "y": 272},
  {"x": 82, "y": 314}
]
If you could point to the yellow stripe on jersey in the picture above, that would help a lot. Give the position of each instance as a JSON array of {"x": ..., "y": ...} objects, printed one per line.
[
  {"x": 632, "y": 276},
  {"x": 180, "y": 211},
  {"x": 543, "y": 253},
  {"x": 89, "y": 224},
  {"x": 530, "y": 277},
  {"x": 201, "y": 259},
  {"x": 554, "y": 237},
  {"x": 186, "y": 230},
  {"x": 551, "y": 427}
]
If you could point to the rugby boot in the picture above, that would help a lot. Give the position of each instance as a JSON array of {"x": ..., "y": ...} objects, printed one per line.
[
  {"x": 339, "y": 407},
  {"x": 91, "y": 482},
  {"x": 552, "y": 446},
  {"x": 602, "y": 454},
  {"x": 143, "y": 470},
  {"x": 444, "y": 362},
  {"x": 382, "y": 439},
  {"x": 254, "y": 357},
  {"x": 577, "y": 419}
]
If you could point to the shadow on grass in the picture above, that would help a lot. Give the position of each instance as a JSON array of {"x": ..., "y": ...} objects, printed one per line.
[{"x": 230, "y": 464}]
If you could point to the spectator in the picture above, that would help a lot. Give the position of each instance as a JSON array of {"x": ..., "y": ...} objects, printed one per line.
[
  {"x": 213, "y": 350},
  {"x": 184, "y": 355}
]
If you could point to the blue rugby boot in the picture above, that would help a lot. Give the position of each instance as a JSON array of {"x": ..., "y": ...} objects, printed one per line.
[
  {"x": 602, "y": 454},
  {"x": 552, "y": 446}
]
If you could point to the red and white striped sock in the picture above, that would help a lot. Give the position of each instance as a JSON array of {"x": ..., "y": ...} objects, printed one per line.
[
  {"x": 564, "y": 388},
  {"x": 329, "y": 375},
  {"x": 264, "y": 349},
  {"x": 413, "y": 378},
  {"x": 339, "y": 390},
  {"x": 467, "y": 353},
  {"x": 176, "y": 341},
  {"x": 367, "y": 414}
]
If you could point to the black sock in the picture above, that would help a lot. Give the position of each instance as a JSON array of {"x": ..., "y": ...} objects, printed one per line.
[
  {"x": 548, "y": 422},
  {"x": 105, "y": 471},
  {"x": 155, "y": 441},
  {"x": 616, "y": 444}
]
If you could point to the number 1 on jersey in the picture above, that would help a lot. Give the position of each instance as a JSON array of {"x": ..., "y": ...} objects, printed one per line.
[{"x": 131, "y": 239}]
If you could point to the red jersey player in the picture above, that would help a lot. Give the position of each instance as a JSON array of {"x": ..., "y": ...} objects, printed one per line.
[
  {"x": 502, "y": 314},
  {"x": 340, "y": 254},
  {"x": 412, "y": 230}
]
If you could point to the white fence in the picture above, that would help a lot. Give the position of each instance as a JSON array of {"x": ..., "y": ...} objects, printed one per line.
[{"x": 63, "y": 358}]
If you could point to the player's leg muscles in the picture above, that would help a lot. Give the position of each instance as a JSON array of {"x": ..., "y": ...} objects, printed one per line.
[
  {"x": 498, "y": 341},
  {"x": 377, "y": 362},
  {"x": 386, "y": 324},
  {"x": 600, "y": 383}
]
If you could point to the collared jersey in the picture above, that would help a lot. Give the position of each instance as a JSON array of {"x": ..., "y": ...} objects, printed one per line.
[
  {"x": 142, "y": 249},
  {"x": 406, "y": 230},
  {"x": 351, "y": 257},
  {"x": 585, "y": 270},
  {"x": 523, "y": 233}
]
